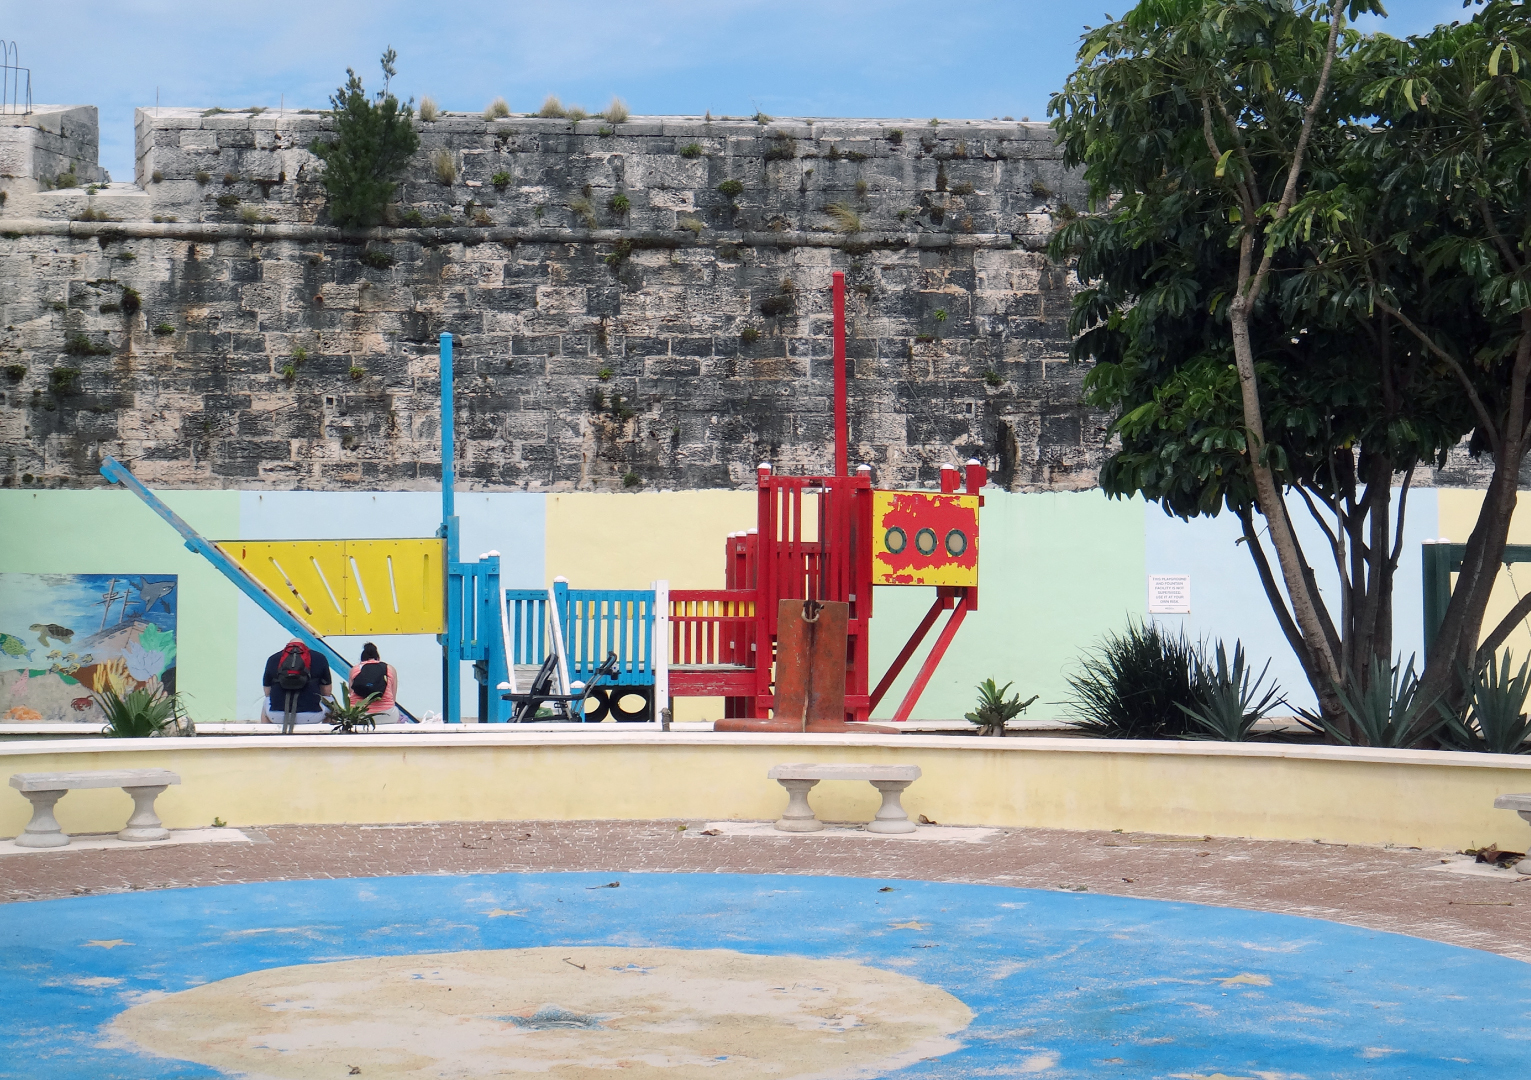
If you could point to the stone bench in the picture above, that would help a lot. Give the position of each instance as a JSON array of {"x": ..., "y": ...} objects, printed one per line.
[
  {"x": 890, "y": 780},
  {"x": 44, "y": 790}
]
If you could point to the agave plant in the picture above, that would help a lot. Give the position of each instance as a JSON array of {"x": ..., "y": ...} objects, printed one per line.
[
  {"x": 345, "y": 714},
  {"x": 1388, "y": 711},
  {"x": 1230, "y": 701},
  {"x": 1495, "y": 722},
  {"x": 1131, "y": 687},
  {"x": 139, "y": 715},
  {"x": 993, "y": 710}
]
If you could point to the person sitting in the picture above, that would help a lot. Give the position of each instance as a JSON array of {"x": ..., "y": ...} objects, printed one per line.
[
  {"x": 296, "y": 681},
  {"x": 372, "y": 676}
]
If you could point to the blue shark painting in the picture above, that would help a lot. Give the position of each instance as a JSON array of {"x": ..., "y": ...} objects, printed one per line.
[{"x": 65, "y": 637}]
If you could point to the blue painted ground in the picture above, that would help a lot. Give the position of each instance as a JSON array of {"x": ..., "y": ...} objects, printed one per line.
[{"x": 1061, "y": 984}]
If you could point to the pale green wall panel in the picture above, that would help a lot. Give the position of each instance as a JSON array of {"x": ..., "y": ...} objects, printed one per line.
[
  {"x": 1056, "y": 571},
  {"x": 105, "y": 531}
]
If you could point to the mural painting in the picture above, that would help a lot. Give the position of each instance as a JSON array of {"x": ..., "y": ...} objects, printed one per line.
[{"x": 65, "y": 637}]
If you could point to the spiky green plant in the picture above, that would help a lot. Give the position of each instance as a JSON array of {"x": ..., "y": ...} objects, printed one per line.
[
  {"x": 1230, "y": 701},
  {"x": 1130, "y": 687},
  {"x": 1495, "y": 721},
  {"x": 139, "y": 715},
  {"x": 1387, "y": 711},
  {"x": 345, "y": 714},
  {"x": 993, "y": 710}
]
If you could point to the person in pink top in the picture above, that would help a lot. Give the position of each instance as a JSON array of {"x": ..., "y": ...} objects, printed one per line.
[{"x": 372, "y": 676}]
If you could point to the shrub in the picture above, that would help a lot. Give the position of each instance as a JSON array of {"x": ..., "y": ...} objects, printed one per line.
[
  {"x": 67, "y": 179},
  {"x": 357, "y": 373},
  {"x": 378, "y": 260},
  {"x": 773, "y": 306},
  {"x": 862, "y": 187},
  {"x": 1494, "y": 722},
  {"x": 605, "y": 131},
  {"x": 619, "y": 204},
  {"x": 164, "y": 329},
  {"x": 228, "y": 202},
  {"x": 620, "y": 251},
  {"x": 497, "y": 109},
  {"x": 1229, "y": 702},
  {"x": 692, "y": 222},
  {"x": 762, "y": 118},
  {"x": 581, "y": 208},
  {"x": 1387, "y": 711},
  {"x": 140, "y": 715},
  {"x": 749, "y": 335},
  {"x": 962, "y": 187},
  {"x": 616, "y": 112},
  {"x": 132, "y": 300},
  {"x": 731, "y": 188},
  {"x": 993, "y": 710},
  {"x": 574, "y": 114},
  {"x": 783, "y": 147},
  {"x": 896, "y": 136},
  {"x": 412, "y": 219},
  {"x": 1132, "y": 686},
  {"x": 993, "y": 378},
  {"x": 845, "y": 218},
  {"x": 15, "y": 372},
  {"x": 1039, "y": 190},
  {"x": 552, "y": 108},
  {"x": 500, "y": 180},
  {"x": 62, "y": 380},
  {"x": 445, "y": 168},
  {"x": 631, "y": 480},
  {"x": 203, "y": 176},
  {"x": 373, "y": 144},
  {"x": 691, "y": 150},
  {"x": 78, "y": 344},
  {"x": 428, "y": 109},
  {"x": 157, "y": 176}
]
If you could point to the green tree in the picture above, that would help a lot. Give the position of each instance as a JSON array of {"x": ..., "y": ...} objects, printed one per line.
[
  {"x": 1197, "y": 123},
  {"x": 372, "y": 145}
]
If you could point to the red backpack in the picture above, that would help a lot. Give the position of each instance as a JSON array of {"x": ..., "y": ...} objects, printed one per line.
[{"x": 292, "y": 668}]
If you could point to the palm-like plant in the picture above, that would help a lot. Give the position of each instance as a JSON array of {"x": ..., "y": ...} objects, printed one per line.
[
  {"x": 1129, "y": 688},
  {"x": 1389, "y": 711},
  {"x": 1230, "y": 701},
  {"x": 346, "y": 713},
  {"x": 993, "y": 710},
  {"x": 139, "y": 715},
  {"x": 1495, "y": 722}
]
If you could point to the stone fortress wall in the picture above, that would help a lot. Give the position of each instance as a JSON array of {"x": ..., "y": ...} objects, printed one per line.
[{"x": 206, "y": 324}]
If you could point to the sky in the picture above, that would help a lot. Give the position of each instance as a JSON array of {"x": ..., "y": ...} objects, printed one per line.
[{"x": 822, "y": 58}]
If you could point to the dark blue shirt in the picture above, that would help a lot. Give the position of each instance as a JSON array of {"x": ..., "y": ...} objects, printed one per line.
[{"x": 308, "y": 697}]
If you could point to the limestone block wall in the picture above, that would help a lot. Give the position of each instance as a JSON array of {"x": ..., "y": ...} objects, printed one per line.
[
  {"x": 625, "y": 316},
  {"x": 51, "y": 141}
]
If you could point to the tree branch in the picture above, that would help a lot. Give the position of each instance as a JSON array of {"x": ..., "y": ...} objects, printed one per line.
[
  {"x": 1451, "y": 362},
  {"x": 1506, "y": 627}
]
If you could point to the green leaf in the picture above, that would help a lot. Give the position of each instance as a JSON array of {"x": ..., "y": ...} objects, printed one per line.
[
  {"x": 1493, "y": 60},
  {"x": 1222, "y": 163}
]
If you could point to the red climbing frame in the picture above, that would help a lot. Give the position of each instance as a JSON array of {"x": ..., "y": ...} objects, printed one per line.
[{"x": 812, "y": 540}]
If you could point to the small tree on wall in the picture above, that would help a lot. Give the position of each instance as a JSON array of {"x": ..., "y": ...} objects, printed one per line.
[{"x": 373, "y": 143}]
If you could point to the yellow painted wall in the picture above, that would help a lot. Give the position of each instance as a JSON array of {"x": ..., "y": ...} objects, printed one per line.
[
  {"x": 1421, "y": 798},
  {"x": 601, "y": 540},
  {"x": 1458, "y": 510}
]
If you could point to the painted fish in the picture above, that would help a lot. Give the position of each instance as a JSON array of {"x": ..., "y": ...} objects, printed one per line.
[
  {"x": 12, "y": 645},
  {"x": 80, "y": 704},
  {"x": 154, "y": 592},
  {"x": 52, "y": 630}
]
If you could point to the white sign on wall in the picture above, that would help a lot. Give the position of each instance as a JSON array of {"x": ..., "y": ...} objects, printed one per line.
[{"x": 1169, "y": 594}]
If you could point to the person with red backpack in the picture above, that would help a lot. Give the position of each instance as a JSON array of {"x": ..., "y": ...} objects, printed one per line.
[
  {"x": 372, "y": 676},
  {"x": 296, "y": 680}
]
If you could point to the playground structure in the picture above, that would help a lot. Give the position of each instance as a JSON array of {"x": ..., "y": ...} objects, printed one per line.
[{"x": 821, "y": 544}]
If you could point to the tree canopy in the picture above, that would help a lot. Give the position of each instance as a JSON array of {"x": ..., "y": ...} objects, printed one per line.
[{"x": 372, "y": 145}]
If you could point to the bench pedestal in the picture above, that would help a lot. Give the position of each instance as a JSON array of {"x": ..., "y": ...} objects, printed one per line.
[
  {"x": 43, "y": 830},
  {"x": 798, "y": 816},
  {"x": 891, "y": 817},
  {"x": 144, "y": 824}
]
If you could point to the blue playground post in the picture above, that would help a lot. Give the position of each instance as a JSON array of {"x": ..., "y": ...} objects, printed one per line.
[{"x": 451, "y": 692}]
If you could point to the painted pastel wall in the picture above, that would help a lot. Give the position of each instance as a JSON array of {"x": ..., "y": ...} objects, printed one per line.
[
  {"x": 1055, "y": 572},
  {"x": 1228, "y": 602},
  {"x": 1458, "y": 513},
  {"x": 110, "y": 532}
]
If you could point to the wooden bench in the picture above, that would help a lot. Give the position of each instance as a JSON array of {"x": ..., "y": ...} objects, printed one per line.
[
  {"x": 43, "y": 790},
  {"x": 890, "y": 780}
]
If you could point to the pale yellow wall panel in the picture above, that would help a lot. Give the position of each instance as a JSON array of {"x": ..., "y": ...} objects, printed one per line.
[
  {"x": 1458, "y": 509},
  {"x": 601, "y": 540},
  {"x": 1413, "y": 798}
]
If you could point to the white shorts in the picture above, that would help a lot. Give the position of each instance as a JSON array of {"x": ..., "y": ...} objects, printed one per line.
[
  {"x": 389, "y": 715},
  {"x": 303, "y": 718}
]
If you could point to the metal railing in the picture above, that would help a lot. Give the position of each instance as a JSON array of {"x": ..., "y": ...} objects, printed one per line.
[{"x": 15, "y": 80}]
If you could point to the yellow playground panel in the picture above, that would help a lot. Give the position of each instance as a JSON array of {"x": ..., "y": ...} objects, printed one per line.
[
  {"x": 351, "y": 587},
  {"x": 924, "y": 538}
]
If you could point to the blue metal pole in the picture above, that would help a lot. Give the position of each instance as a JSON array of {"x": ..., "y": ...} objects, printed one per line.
[
  {"x": 451, "y": 654},
  {"x": 118, "y": 473}
]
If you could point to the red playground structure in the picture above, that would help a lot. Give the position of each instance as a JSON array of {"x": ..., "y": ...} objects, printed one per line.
[{"x": 822, "y": 541}]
